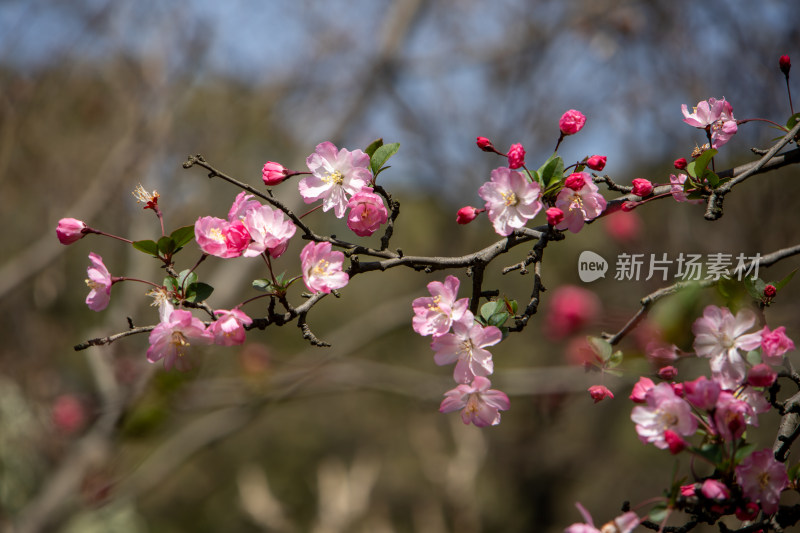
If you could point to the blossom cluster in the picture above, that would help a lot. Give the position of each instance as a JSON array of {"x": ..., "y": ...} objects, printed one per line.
[
  {"x": 458, "y": 338},
  {"x": 742, "y": 365}
]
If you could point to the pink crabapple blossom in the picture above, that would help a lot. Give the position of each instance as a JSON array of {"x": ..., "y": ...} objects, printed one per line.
[
  {"x": 677, "y": 182},
  {"x": 215, "y": 237},
  {"x": 516, "y": 156},
  {"x": 70, "y": 230},
  {"x": 580, "y": 201},
  {"x": 465, "y": 347},
  {"x": 274, "y": 173},
  {"x": 242, "y": 204},
  {"x": 713, "y": 489},
  {"x": 719, "y": 336},
  {"x": 335, "y": 174},
  {"x": 680, "y": 163},
  {"x": 639, "y": 392},
  {"x": 702, "y": 393},
  {"x": 715, "y": 116},
  {"x": 571, "y": 122},
  {"x": 730, "y": 416},
  {"x": 667, "y": 372},
  {"x": 762, "y": 479},
  {"x": 322, "y": 268},
  {"x": 367, "y": 212},
  {"x": 99, "y": 281},
  {"x": 597, "y": 162},
  {"x": 478, "y": 403},
  {"x": 228, "y": 328},
  {"x": 675, "y": 443},
  {"x": 435, "y": 314},
  {"x": 642, "y": 187},
  {"x": 269, "y": 229},
  {"x": 761, "y": 375},
  {"x": 170, "y": 339},
  {"x": 511, "y": 200},
  {"x": 664, "y": 411},
  {"x": 774, "y": 344}
]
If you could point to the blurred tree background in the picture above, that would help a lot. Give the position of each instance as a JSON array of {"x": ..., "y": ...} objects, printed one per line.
[{"x": 97, "y": 96}]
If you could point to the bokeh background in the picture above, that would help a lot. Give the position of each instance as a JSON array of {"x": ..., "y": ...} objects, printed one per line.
[{"x": 98, "y": 96}]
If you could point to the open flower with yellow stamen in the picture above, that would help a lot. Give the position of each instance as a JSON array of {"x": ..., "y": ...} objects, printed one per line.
[
  {"x": 334, "y": 175},
  {"x": 172, "y": 337},
  {"x": 580, "y": 201},
  {"x": 322, "y": 268},
  {"x": 511, "y": 200}
]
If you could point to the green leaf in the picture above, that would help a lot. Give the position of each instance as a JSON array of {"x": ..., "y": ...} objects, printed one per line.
[
  {"x": 490, "y": 308},
  {"x": 793, "y": 472},
  {"x": 166, "y": 245},
  {"x": 148, "y": 247},
  {"x": 793, "y": 120},
  {"x": 711, "y": 178},
  {"x": 701, "y": 163},
  {"x": 744, "y": 451},
  {"x": 263, "y": 285},
  {"x": 658, "y": 513},
  {"x": 381, "y": 156},
  {"x": 182, "y": 235},
  {"x": 552, "y": 171},
  {"x": 615, "y": 360},
  {"x": 779, "y": 285},
  {"x": 197, "y": 292},
  {"x": 374, "y": 145},
  {"x": 511, "y": 306},
  {"x": 498, "y": 319},
  {"x": 171, "y": 283},
  {"x": 753, "y": 357},
  {"x": 186, "y": 278},
  {"x": 755, "y": 287},
  {"x": 711, "y": 452},
  {"x": 601, "y": 347}
]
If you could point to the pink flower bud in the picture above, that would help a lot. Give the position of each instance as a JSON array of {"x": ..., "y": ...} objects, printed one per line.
[
  {"x": 675, "y": 442},
  {"x": 274, "y": 173},
  {"x": 554, "y": 216},
  {"x": 785, "y": 64},
  {"x": 667, "y": 372},
  {"x": 629, "y": 206},
  {"x": 687, "y": 491},
  {"x": 715, "y": 490},
  {"x": 599, "y": 393},
  {"x": 749, "y": 512},
  {"x": 575, "y": 181},
  {"x": 680, "y": 164},
  {"x": 485, "y": 144},
  {"x": 467, "y": 214},
  {"x": 571, "y": 122},
  {"x": 70, "y": 230},
  {"x": 761, "y": 375},
  {"x": 639, "y": 393},
  {"x": 596, "y": 162},
  {"x": 68, "y": 414},
  {"x": 516, "y": 156},
  {"x": 678, "y": 389},
  {"x": 642, "y": 187},
  {"x": 770, "y": 291}
]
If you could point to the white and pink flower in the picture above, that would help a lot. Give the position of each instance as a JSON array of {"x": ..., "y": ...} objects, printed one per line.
[
  {"x": 762, "y": 479},
  {"x": 624, "y": 523},
  {"x": 99, "y": 281},
  {"x": 511, "y": 200},
  {"x": 367, "y": 212},
  {"x": 70, "y": 230},
  {"x": 774, "y": 344},
  {"x": 228, "y": 329},
  {"x": 580, "y": 201},
  {"x": 466, "y": 348},
  {"x": 269, "y": 229},
  {"x": 715, "y": 116},
  {"x": 664, "y": 411},
  {"x": 719, "y": 336},
  {"x": 335, "y": 174},
  {"x": 478, "y": 403},
  {"x": 435, "y": 314},
  {"x": 322, "y": 268},
  {"x": 170, "y": 339}
]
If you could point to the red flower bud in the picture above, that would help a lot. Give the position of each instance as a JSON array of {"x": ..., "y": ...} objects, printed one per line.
[
  {"x": 571, "y": 122},
  {"x": 642, "y": 187},
  {"x": 770, "y": 291},
  {"x": 554, "y": 216},
  {"x": 485, "y": 144},
  {"x": 667, "y": 372},
  {"x": 596, "y": 162},
  {"x": 467, "y": 214},
  {"x": 273, "y": 173},
  {"x": 575, "y": 181},
  {"x": 681, "y": 163},
  {"x": 674, "y": 441},
  {"x": 599, "y": 393},
  {"x": 761, "y": 375},
  {"x": 516, "y": 156},
  {"x": 785, "y": 64}
]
